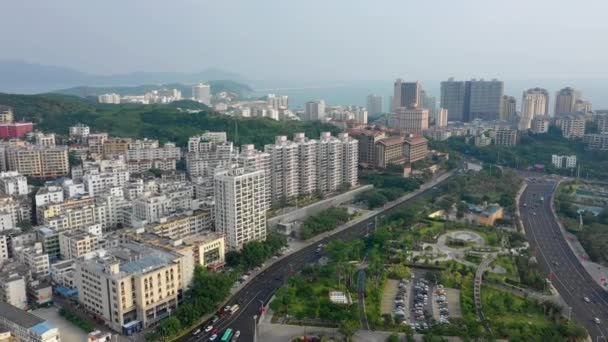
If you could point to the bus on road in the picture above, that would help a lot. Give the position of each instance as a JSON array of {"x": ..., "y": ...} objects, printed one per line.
[{"x": 227, "y": 335}]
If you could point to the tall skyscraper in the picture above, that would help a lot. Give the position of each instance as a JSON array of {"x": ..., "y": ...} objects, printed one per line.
[
  {"x": 485, "y": 99},
  {"x": 315, "y": 110},
  {"x": 534, "y": 102},
  {"x": 374, "y": 104},
  {"x": 508, "y": 108},
  {"x": 441, "y": 120},
  {"x": 429, "y": 102},
  {"x": 565, "y": 100},
  {"x": 453, "y": 96},
  {"x": 202, "y": 93},
  {"x": 407, "y": 95},
  {"x": 240, "y": 206}
]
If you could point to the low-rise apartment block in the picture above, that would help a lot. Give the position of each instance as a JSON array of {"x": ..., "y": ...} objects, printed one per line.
[
  {"x": 38, "y": 161},
  {"x": 130, "y": 286},
  {"x": 25, "y": 326}
]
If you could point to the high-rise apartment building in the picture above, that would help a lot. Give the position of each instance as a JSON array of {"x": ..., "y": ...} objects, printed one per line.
[
  {"x": 429, "y": 102},
  {"x": 38, "y": 161},
  {"x": 277, "y": 101},
  {"x": 565, "y": 100},
  {"x": 508, "y": 108},
  {"x": 453, "y": 96},
  {"x": 350, "y": 160},
  {"x": 485, "y": 99},
  {"x": 411, "y": 120},
  {"x": 534, "y": 102},
  {"x": 315, "y": 110},
  {"x": 474, "y": 99},
  {"x": 307, "y": 164},
  {"x": 250, "y": 158},
  {"x": 441, "y": 119},
  {"x": 329, "y": 163},
  {"x": 240, "y": 206},
  {"x": 202, "y": 93},
  {"x": 407, "y": 95},
  {"x": 571, "y": 124},
  {"x": 374, "y": 104},
  {"x": 284, "y": 162}
]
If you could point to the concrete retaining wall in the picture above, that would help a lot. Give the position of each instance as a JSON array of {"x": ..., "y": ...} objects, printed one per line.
[{"x": 315, "y": 208}]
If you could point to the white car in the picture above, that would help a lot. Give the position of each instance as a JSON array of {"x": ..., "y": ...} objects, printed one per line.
[
  {"x": 209, "y": 328},
  {"x": 198, "y": 331},
  {"x": 597, "y": 320},
  {"x": 213, "y": 337},
  {"x": 587, "y": 300}
]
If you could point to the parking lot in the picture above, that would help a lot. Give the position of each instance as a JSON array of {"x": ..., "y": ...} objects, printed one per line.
[
  {"x": 420, "y": 306},
  {"x": 401, "y": 300}
]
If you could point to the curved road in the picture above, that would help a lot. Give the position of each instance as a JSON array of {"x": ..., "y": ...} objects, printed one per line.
[
  {"x": 260, "y": 289},
  {"x": 558, "y": 261}
]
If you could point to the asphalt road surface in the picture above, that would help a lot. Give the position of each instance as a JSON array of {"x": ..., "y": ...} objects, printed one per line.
[
  {"x": 260, "y": 289},
  {"x": 558, "y": 261}
]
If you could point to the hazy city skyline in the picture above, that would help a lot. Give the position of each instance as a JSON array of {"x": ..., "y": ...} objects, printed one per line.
[{"x": 313, "y": 40}]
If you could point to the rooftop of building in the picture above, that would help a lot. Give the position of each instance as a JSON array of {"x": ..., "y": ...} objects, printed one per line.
[
  {"x": 22, "y": 318},
  {"x": 173, "y": 244},
  {"x": 414, "y": 139},
  {"x": 391, "y": 141},
  {"x": 134, "y": 258}
]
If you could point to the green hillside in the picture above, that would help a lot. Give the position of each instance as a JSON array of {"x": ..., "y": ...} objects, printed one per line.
[{"x": 55, "y": 113}]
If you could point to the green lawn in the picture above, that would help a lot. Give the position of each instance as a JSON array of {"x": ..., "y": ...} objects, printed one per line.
[
  {"x": 509, "y": 309},
  {"x": 508, "y": 264}
]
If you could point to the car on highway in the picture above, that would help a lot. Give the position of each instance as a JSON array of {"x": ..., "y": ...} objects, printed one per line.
[
  {"x": 215, "y": 319},
  {"x": 198, "y": 331},
  {"x": 213, "y": 337},
  {"x": 597, "y": 320},
  {"x": 586, "y": 299},
  {"x": 209, "y": 328}
]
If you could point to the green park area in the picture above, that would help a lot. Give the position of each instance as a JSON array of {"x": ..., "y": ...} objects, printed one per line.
[
  {"x": 324, "y": 221},
  {"x": 387, "y": 251},
  {"x": 534, "y": 149},
  {"x": 388, "y": 186},
  {"x": 593, "y": 234}
]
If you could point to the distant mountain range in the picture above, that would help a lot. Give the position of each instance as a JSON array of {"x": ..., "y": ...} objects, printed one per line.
[{"x": 29, "y": 78}]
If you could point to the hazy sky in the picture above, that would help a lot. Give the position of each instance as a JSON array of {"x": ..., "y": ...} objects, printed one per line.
[{"x": 314, "y": 39}]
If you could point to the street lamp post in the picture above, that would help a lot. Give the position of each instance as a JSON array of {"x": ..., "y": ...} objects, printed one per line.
[{"x": 255, "y": 328}]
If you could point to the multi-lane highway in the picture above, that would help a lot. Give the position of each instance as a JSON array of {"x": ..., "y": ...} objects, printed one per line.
[
  {"x": 260, "y": 289},
  {"x": 587, "y": 301}
]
